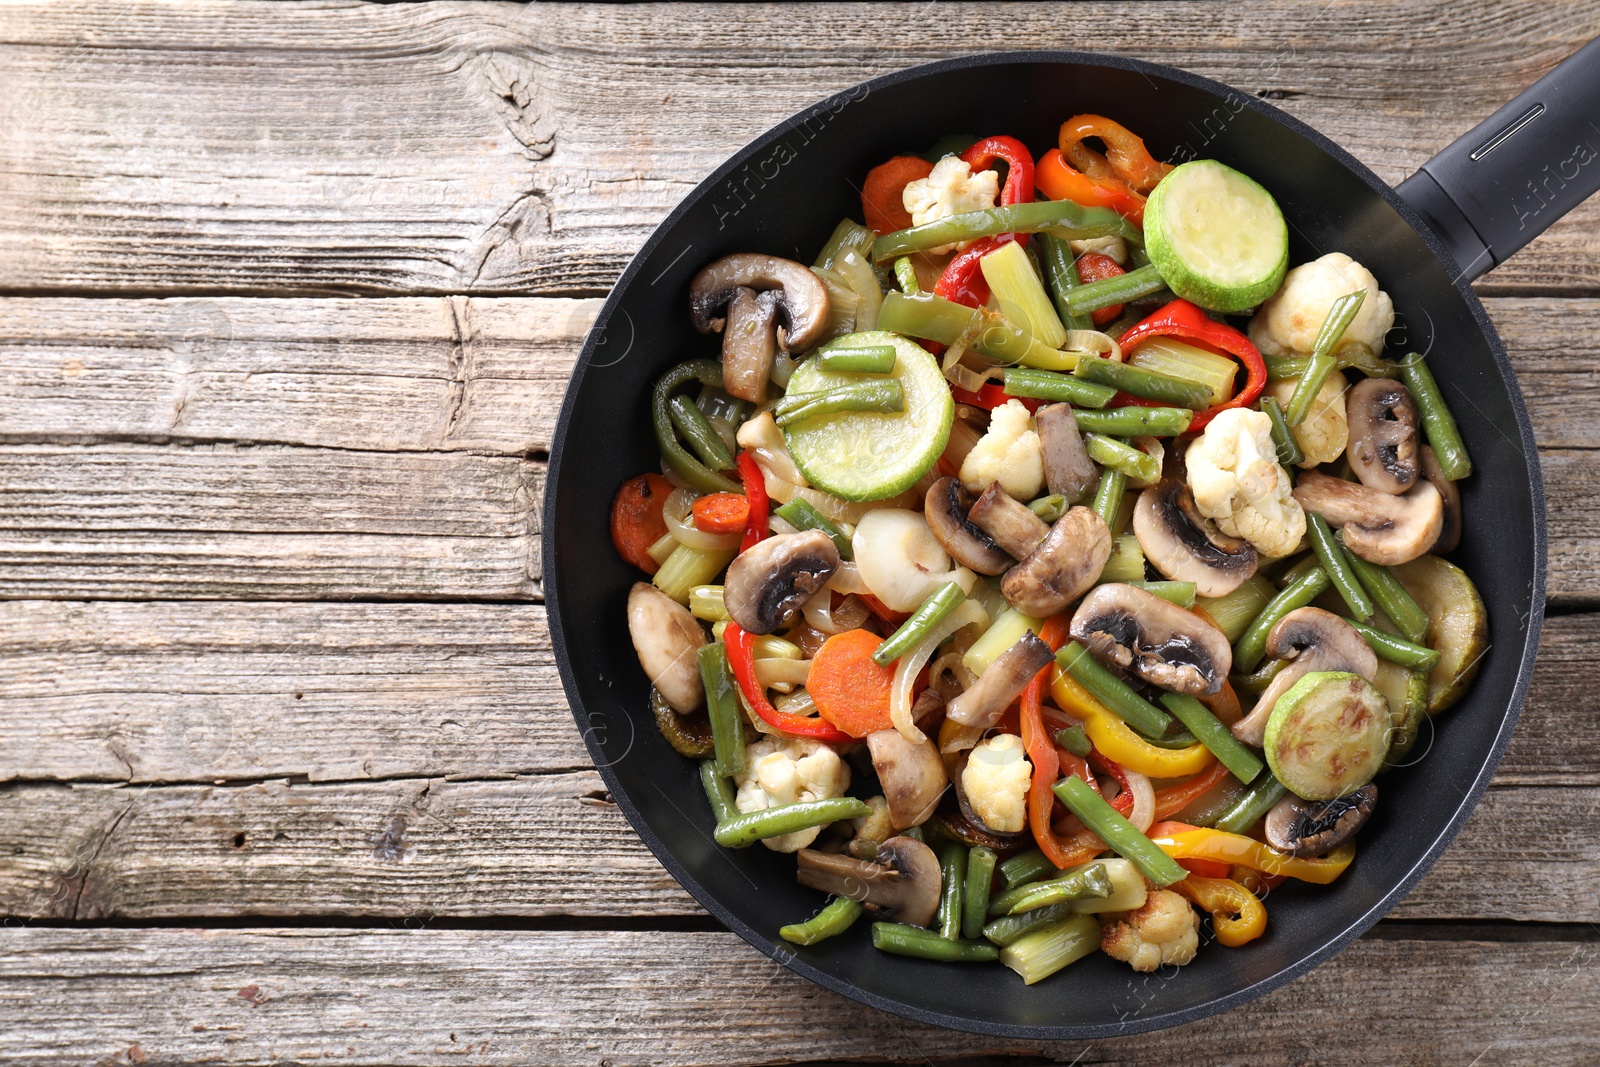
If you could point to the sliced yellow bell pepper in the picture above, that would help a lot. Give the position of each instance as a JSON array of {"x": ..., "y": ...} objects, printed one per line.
[
  {"x": 1248, "y": 852},
  {"x": 1236, "y": 915},
  {"x": 1118, "y": 742}
]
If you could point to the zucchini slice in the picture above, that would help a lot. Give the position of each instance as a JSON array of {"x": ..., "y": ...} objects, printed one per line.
[
  {"x": 1328, "y": 735},
  {"x": 1216, "y": 236}
]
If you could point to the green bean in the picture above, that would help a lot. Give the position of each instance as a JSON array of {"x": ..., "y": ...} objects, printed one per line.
[
  {"x": 686, "y": 466},
  {"x": 1390, "y": 596},
  {"x": 705, "y": 602},
  {"x": 802, "y": 516},
  {"x": 718, "y": 791},
  {"x": 952, "y": 890},
  {"x": 1248, "y": 809},
  {"x": 1332, "y": 558},
  {"x": 1061, "y": 271},
  {"x": 915, "y": 833},
  {"x": 1061, "y": 218},
  {"x": 1135, "y": 421},
  {"x": 933, "y": 611},
  {"x": 1137, "y": 381},
  {"x": 905, "y": 272},
  {"x": 1289, "y": 452},
  {"x": 1257, "y": 681},
  {"x": 1054, "y": 386},
  {"x": 881, "y": 396},
  {"x": 1229, "y": 750},
  {"x": 722, "y": 707},
  {"x": 1119, "y": 456},
  {"x": 1049, "y": 508},
  {"x": 1215, "y": 803},
  {"x": 739, "y": 831},
  {"x": 1074, "y": 740},
  {"x": 1082, "y": 884},
  {"x": 933, "y": 318},
  {"x": 1323, "y": 363},
  {"x": 903, "y": 940},
  {"x": 1437, "y": 422},
  {"x": 1182, "y": 739},
  {"x": 1025, "y": 867},
  {"x": 1397, "y": 649},
  {"x": 861, "y": 359},
  {"x": 1124, "y": 839},
  {"x": 1305, "y": 392},
  {"x": 1351, "y": 355},
  {"x": 1112, "y": 691},
  {"x": 833, "y": 920},
  {"x": 1108, "y": 496},
  {"x": 1252, "y": 646},
  {"x": 1117, "y": 289},
  {"x": 1179, "y": 593},
  {"x": 975, "y": 896},
  {"x": 1010, "y": 928},
  {"x": 1302, "y": 567}
]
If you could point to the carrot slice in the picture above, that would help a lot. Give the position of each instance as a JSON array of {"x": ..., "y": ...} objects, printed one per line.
[
  {"x": 721, "y": 513},
  {"x": 1092, "y": 267},
  {"x": 850, "y": 690},
  {"x": 636, "y": 521},
  {"x": 882, "y": 193}
]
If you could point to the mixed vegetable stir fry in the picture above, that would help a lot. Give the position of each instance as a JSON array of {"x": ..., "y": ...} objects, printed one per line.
[{"x": 1048, "y": 560}]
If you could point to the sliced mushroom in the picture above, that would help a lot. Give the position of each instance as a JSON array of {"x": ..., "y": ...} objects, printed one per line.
[
  {"x": 768, "y": 584},
  {"x": 1383, "y": 434},
  {"x": 1310, "y": 639},
  {"x": 903, "y": 885},
  {"x": 1008, "y": 521},
  {"x": 912, "y": 775},
  {"x": 1377, "y": 526},
  {"x": 1185, "y": 546},
  {"x": 1450, "y": 497},
  {"x": 945, "y": 508},
  {"x": 1154, "y": 639},
  {"x": 1001, "y": 683},
  {"x": 1062, "y": 568},
  {"x": 667, "y": 639},
  {"x": 1068, "y": 470},
  {"x": 1315, "y": 828},
  {"x": 729, "y": 296}
]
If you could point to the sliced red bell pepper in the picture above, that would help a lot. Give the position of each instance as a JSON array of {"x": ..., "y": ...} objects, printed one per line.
[
  {"x": 962, "y": 280},
  {"x": 1184, "y": 320},
  {"x": 1019, "y": 166},
  {"x": 990, "y": 397},
  {"x": 1059, "y": 180},
  {"x": 1093, "y": 267},
  {"x": 742, "y": 658},
  {"x": 755, "y": 491}
]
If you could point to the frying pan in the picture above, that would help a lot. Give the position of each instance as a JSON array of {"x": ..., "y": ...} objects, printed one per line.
[{"x": 1466, "y": 210}]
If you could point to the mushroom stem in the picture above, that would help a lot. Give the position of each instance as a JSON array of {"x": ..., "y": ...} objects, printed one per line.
[
  {"x": 1001, "y": 683},
  {"x": 1009, "y": 522},
  {"x": 903, "y": 885}
]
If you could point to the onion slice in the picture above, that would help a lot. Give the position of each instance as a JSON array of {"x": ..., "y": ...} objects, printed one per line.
[
  {"x": 910, "y": 665},
  {"x": 681, "y": 525}
]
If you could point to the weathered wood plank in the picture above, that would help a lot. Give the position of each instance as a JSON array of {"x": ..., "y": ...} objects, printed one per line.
[
  {"x": 224, "y": 521},
  {"x": 434, "y": 996},
  {"x": 448, "y": 147},
  {"x": 510, "y": 848}
]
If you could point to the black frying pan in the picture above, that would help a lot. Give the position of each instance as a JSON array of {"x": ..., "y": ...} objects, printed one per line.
[{"x": 1468, "y": 208}]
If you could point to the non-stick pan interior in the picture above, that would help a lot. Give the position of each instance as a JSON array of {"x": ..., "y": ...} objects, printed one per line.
[{"x": 782, "y": 195}]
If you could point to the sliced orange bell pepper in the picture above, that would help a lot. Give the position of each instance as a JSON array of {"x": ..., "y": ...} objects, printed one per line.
[
  {"x": 1236, "y": 915},
  {"x": 1224, "y": 847},
  {"x": 1059, "y": 180}
]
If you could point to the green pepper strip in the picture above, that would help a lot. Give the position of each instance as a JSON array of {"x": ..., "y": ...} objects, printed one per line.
[
  {"x": 933, "y": 611},
  {"x": 1148, "y": 384},
  {"x": 739, "y": 831},
  {"x": 1061, "y": 270},
  {"x": 1437, "y": 422},
  {"x": 1119, "y": 456},
  {"x": 903, "y": 940},
  {"x": 699, "y": 433},
  {"x": 880, "y": 396},
  {"x": 1008, "y": 929},
  {"x": 831, "y": 921},
  {"x": 1060, "y": 218},
  {"x": 1116, "y": 831},
  {"x": 1266, "y": 792},
  {"x": 1108, "y": 495},
  {"x": 1025, "y": 867},
  {"x": 865, "y": 359},
  {"x": 1251, "y": 647},
  {"x": 1135, "y": 421},
  {"x": 1086, "y": 883},
  {"x": 1112, "y": 691},
  {"x": 1289, "y": 452},
  {"x": 1117, "y": 289},
  {"x": 1331, "y": 555},
  {"x": 905, "y": 272},
  {"x": 1323, "y": 363},
  {"x": 1054, "y": 386},
  {"x": 1229, "y": 750},
  {"x": 975, "y": 898},
  {"x": 802, "y": 516},
  {"x": 1396, "y": 649},
  {"x": 722, "y": 707},
  {"x": 952, "y": 890},
  {"x": 1390, "y": 596},
  {"x": 697, "y": 474},
  {"x": 718, "y": 791}
]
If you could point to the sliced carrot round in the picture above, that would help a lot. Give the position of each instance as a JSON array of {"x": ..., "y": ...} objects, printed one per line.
[
  {"x": 721, "y": 513},
  {"x": 882, "y": 194},
  {"x": 636, "y": 521},
  {"x": 850, "y": 690}
]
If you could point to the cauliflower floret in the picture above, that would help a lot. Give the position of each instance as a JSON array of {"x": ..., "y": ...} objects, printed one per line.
[
  {"x": 1287, "y": 324},
  {"x": 1236, "y": 480},
  {"x": 789, "y": 770},
  {"x": 1166, "y": 930},
  {"x": 1009, "y": 453},
  {"x": 952, "y": 189},
  {"x": 996, "y": 782},
  {"x": 1326, "y": 429}
]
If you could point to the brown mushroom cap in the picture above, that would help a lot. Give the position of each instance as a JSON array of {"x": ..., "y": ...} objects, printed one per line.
[
  {"x": 767, "y": 584},
  {"x": 1450, "y": 497},
  {"x": 1310, "y": 639},
  {"x": 1383, "y": 435},
  {"x": 1062, "y": 568},
  {"x": 1377, "y": 526},
  {"x": 1008, "y": 521},
  {"x": 1000, "y": 683},
  {"x": 902, "y": 886},
  {"x": 758, "y": 292},
  {"x": 1185, "y": 546},
  {"x": 945, "y": 507},
  {"x": 1153, "y": 638},
  {"x": 1068, "y": 470},
  {"x": 667, "y": 639},
  {"x": 1315, "y": 828},
  {"x": 911, "y": 773}
]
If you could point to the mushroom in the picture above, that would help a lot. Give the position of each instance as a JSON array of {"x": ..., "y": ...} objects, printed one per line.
[
  {"x": 912, "y": 775},
  {"x": 1310, "y": 639},
  {"x": 667, "y": 639},
  {"x": 1001, "y": 682},
  {"x": 1009, "y": 522},
  {"x": 1383, "y": 434},
  {"x": 1185, "y": 546},
  {"x": 1315, "y": 828},
  {"x": 767, "y": 584},
  {"x": 1066, "y": 563},
  {"x": 1068, "y": 470},
  {"x": 744, "y": 297},
  {"x": 1450, "y": 497},
  {"x": 1377, "y": 526},
  {"x": 1154, "y": 639},
  {"x": 902, "y": 886},
  {"x": 945, "y": 508}
]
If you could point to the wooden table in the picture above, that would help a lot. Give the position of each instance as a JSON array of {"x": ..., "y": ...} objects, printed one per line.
[{"x": 290, "y": 298}]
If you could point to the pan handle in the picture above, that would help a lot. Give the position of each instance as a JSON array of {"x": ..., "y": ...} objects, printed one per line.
[{"x": 1492, "y": 191}]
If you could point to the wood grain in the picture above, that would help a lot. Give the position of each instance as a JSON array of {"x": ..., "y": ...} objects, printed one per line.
[
  {"x": 456, "y": 147},
  {"x": 439, "y": 996}
]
